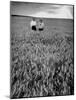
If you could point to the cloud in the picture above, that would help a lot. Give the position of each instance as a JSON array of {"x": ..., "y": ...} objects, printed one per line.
[{"x": 60, "y": 12}]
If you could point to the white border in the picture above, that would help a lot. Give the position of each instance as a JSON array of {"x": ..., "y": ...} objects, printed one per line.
[{"x": 5, "y": 48}]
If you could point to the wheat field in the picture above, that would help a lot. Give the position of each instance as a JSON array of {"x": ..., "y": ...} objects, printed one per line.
[{"x": 42, "y": 63}]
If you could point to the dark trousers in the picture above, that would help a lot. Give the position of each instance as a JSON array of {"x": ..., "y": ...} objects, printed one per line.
[
  {"x": 40, "y": 29},
  {"x": 34, "y": 28}
]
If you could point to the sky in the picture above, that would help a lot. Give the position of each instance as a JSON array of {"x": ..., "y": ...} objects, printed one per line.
[{"x": 46, "y": 10}]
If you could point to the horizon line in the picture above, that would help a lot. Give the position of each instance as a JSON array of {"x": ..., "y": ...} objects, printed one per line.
[{"x": 40, "y": 17}]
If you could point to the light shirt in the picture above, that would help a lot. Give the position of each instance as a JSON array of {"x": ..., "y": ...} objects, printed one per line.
[
  {"x": 41, "y": 25},
  {"x": 33, "y": 23}
]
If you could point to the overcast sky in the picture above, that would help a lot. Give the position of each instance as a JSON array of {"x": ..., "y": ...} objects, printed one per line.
[{"x": 42, "y": 10}]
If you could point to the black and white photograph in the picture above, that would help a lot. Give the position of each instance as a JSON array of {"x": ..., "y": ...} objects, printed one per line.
[{"x": 41, "y": 49}]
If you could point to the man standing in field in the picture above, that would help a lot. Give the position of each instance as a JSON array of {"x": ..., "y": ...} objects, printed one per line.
[
  {"x": 41, "y": 25},
  {"x": 33, "y": 24}
]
